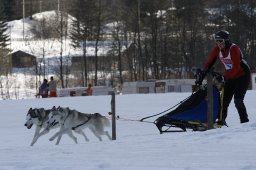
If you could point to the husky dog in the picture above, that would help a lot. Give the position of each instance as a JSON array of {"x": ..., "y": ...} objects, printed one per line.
[
  {"x": 39, "y": 117},
  {"x": 77, "y": 121}
]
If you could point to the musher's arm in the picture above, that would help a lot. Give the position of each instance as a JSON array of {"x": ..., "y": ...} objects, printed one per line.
[{"x": 211, "y": 59}]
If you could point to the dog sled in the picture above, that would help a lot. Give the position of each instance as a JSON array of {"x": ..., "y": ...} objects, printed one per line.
[{"x": 192, "y": 112}]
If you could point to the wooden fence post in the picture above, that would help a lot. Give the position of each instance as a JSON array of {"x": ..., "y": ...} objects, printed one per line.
[
  {"x": 210, "y": 101},
  {"x": 113, "y": 110}
]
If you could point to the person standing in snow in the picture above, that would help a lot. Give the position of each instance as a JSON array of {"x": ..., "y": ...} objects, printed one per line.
[
  {"x": 43, "y": 89},
  {"x": 88, "y": 91},
  {"x": 237, "y": 74},
  {"x": 52, "y": 87}
]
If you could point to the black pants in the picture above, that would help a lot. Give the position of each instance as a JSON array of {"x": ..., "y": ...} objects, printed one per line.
[{"x": 236, "y": 88}]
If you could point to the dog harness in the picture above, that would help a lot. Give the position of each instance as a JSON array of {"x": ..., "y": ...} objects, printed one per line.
[{"x": 89, "y": 117}]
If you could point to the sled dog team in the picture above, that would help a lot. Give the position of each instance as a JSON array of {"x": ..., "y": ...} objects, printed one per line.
[{"x": 68, "y": 121}]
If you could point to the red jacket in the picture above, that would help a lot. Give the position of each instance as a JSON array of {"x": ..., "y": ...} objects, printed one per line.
[
  {"x": 88, "y": 91},
  {"x": 230, "y": 57}
]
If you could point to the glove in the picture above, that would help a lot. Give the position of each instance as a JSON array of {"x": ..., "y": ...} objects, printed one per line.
[{"x": 199, "y": 76}]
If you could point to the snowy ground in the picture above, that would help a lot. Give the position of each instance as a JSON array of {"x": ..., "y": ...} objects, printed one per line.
[{"x": 139, "y": 146}]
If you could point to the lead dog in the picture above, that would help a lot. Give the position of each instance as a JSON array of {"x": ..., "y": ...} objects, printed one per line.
[
  {"x": 39, "y": 118},
  {"x": 77, "y": 121}
]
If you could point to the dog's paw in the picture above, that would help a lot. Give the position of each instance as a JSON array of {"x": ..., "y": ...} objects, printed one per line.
[{"x": 51, "y": 139}]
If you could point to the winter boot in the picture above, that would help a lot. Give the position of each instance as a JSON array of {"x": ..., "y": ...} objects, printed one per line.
[
  {"x": 221, "y": 123},
  {"x": 244, "y": 120}
]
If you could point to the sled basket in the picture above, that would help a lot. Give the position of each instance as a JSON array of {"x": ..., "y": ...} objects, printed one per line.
[{"x": 191, "y": 114}]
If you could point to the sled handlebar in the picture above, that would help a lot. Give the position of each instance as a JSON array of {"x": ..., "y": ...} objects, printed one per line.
[{"x": 200, "y": 75}]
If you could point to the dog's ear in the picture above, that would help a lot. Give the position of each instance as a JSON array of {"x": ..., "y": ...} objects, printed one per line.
[
  {"x": 53, "y": 108},
  {"x": 29, "y": 111}
]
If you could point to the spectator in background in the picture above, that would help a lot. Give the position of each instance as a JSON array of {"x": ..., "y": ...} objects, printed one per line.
[
  {"x": 52, "y": 87},
  {"x": 88, "y": 91},
  {"x": 43, "y": 89}
]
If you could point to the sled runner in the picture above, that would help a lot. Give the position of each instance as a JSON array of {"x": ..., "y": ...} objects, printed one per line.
[{"x": 191, "y": 114}]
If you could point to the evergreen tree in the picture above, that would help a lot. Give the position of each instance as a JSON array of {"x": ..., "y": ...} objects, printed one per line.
[
  {"x": 4, "y": 37},
  {"x": 9, "y": 9},
  {"x": 82, "y": 30}
]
